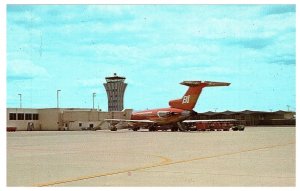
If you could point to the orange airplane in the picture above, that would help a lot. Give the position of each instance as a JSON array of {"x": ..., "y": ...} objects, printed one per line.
[{"x": 173, "y": 117}]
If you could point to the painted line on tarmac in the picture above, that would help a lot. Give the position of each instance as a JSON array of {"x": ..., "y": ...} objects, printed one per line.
[
  {"x": 165, "y": 162},
  {"x": 221, "y": 174},
  {"x": 230, "y": 153}
]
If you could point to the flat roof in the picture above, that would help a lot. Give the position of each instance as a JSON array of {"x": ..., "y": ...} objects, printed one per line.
[{"x": 115, "y": 77}]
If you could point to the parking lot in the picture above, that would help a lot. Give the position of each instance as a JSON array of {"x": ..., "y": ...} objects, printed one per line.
[{"x": 258, "y": 156}]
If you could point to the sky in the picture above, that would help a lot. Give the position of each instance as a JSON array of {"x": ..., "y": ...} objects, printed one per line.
[{"x": 74, "y": 47}]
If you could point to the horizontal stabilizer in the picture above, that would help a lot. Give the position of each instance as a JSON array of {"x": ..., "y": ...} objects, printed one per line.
[{"x": 204, "y": 83}]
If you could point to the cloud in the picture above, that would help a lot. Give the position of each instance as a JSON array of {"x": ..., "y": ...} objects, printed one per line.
[
  {"x": 12, "y": 77},
  {"x": 149, "y": 45},
  {"x": 278, "y": 9},
  {"x": 61, "y": 15},
  {"x": 25, "y": 17},
  {"x": 216, "y": 70},
  {"x": 24, "y": 70},
  {"x": 254, "y": 43},
  {"x": 91, "y": 82},
  {"x": 283, "y": 59}
]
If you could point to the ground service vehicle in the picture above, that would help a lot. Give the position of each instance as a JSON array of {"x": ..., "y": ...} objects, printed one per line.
[{"x": 211, "y": 125}]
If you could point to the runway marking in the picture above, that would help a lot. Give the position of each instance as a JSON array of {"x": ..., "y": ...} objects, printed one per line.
[
  {"x": 165, "y": 162},
  {"x": 230, "y": 153},
  {"x": 219, "y": 174}
]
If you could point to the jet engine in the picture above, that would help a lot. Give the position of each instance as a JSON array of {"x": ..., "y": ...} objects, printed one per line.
[
  {"x": 164, "y": 113},
  {"x": 188, "y": 113}
]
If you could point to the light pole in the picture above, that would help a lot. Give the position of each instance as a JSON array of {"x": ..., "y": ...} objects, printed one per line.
[
  {"x": 215, "y": 109},
  {"x": 57, "y": 97},
  {"x": 94, "y": 95},
  {"x": 20, "y": 100},
  {"x": 288, "y": 107}
]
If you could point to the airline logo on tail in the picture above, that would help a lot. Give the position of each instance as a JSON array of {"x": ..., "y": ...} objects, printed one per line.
[{"x": 186, "y": 99}]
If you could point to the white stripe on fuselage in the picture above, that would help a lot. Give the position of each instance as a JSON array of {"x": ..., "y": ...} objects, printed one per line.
[{"x": 142, "y": 113}]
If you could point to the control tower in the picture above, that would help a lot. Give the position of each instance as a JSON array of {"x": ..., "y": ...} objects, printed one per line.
[{"x": 115, "y": 88}]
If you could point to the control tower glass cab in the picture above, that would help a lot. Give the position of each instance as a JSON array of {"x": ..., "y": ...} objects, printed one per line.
[{"x": 115, "y": 89}]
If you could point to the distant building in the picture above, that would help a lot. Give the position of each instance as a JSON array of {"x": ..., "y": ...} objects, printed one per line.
[
  {"x": 115, "y": 89},
  {"x": 253, "y": 118}
]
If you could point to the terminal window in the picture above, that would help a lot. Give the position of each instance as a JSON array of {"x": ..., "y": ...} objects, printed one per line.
[
  {"x": 28, "y": 116},
  {"x": 20, "y": 116},
  {"x": 35, "y": 116},
  {"x": 12, "y": 116}
]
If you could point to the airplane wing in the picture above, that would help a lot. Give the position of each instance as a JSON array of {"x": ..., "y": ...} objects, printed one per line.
[
  {"x": 128, "y": 124},
  {"x": 129, "y": 120},
  {"x": 209, "y": 120}
]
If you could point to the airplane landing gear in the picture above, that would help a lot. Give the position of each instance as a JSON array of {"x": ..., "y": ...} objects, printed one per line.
[
  {"x": 181, "y": 127},
  {"x": 152, "y": 128},
  {"x": 135, "y": 128}
]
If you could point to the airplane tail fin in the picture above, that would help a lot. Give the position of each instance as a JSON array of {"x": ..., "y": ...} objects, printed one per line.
[{"x": 189, "y": 100}]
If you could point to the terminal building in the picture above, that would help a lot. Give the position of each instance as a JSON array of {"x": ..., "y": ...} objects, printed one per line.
[
  {"x": 253, "y": 118},
  {"x": 60, "y": 119}
]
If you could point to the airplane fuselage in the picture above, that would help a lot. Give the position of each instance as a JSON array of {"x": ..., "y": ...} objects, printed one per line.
[{"x": 162, "y": 116}]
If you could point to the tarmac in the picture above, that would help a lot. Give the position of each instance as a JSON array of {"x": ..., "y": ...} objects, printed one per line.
[{"x": 258, "y": 156}]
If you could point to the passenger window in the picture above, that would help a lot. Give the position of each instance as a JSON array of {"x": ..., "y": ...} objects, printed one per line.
[{"x": 12, "y": 116}]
